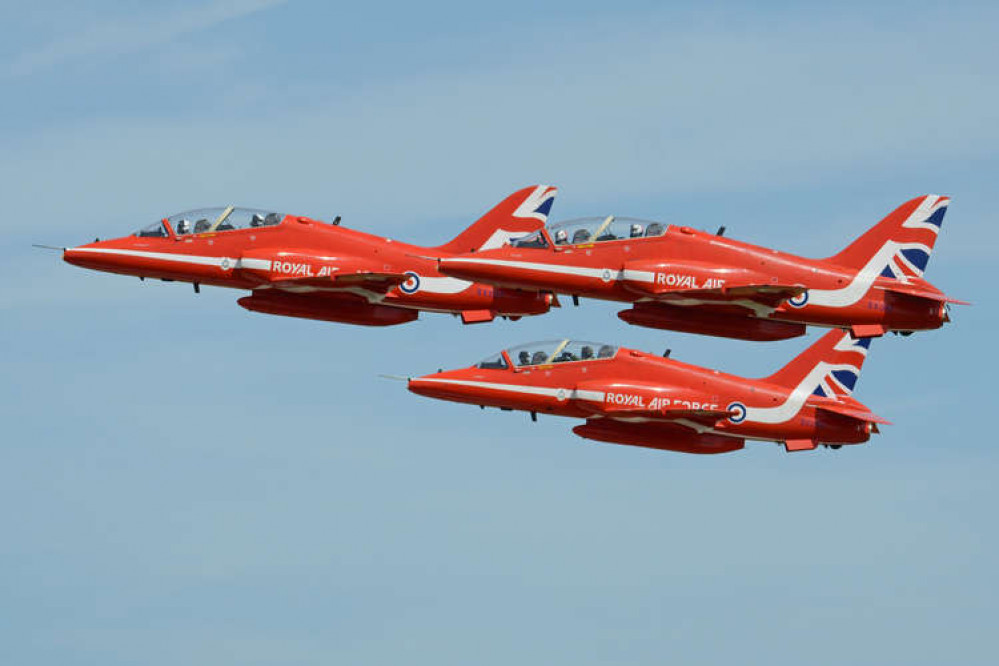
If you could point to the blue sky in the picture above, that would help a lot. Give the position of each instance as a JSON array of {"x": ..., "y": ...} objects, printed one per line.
[{"x": 184, "y": 481}]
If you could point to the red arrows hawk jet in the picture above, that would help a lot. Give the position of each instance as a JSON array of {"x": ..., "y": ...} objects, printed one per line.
[
  {"x": 630, "y": 397},
  {"x": 682, "y": 279},
  {"x": 300, "y": 267}
]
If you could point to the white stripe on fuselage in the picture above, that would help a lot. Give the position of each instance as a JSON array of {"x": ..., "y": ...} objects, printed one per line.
[
  {"x": 862, "y": 281},
  {"x": 571, "y": 394},
  {"x": 160, "y": 256},
  {"x": 430, "y": 284},
  {"x": 544, "y": 268}
]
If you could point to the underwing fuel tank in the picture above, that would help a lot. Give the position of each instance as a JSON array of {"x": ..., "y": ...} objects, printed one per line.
[
  {"x": 343, "y": 310},
  {"x": 648, "y": 436},
  {"x": 690, "y": 320}
]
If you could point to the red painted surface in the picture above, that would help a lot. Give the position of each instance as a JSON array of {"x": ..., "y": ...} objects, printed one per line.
[
  {"x": 299, "y": 267},
  {"x": 688, "y": 280},
  {"x": 631, "y": 397}
]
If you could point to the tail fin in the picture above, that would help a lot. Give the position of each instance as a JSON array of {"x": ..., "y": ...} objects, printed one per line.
[
  {"x": 519, "y": 214},
  {"x": 900, "y": 245},
  {"x": 829, "y": 368}
]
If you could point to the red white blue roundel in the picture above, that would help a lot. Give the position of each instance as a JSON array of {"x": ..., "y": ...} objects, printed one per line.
[
  {"x": 799, "y": 300},
  {"x": 740, "y": 412},
  {"x": 412, "y": 283}
]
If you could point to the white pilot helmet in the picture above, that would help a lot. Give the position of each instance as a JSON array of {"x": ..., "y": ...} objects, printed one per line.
[
  {"x": 636, "y": 230},
  {"x": 257, "y": 220},
  {"x": 184, "y": 226},
  {"x": 561, "y": 236}
]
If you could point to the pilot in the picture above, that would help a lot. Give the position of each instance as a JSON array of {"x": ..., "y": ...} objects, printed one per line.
[
  {"x": 524, "y": 357},
  {"x": 561, "y": 237},
  {"x": 272, "y": 218},
  {"x": 606, "y": 351},
  {"x": 257, "y": 220},
  {"x": 184, "y": 227},
  {"x": 636, "y": 231},
  {"x": 538, "y": 358},
  {"x": 581, "y": 236},
  {"x": 586, "y": 352}
]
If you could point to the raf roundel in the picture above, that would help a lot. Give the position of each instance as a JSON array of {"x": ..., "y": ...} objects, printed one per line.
[
  {"x": 799, "y": 301},
  {"x": 412, "y": 283},
  {"x": 740, "y": 412}
]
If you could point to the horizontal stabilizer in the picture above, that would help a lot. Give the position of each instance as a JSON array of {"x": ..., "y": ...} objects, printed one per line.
[
  {"x": 853, "y": 409},
  {"x": 919, "y": 291}
]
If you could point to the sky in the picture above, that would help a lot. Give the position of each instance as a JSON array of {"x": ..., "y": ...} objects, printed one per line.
[{"x": 185, "y": 481}]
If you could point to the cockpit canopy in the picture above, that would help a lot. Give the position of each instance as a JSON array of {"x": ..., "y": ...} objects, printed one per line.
[
  {"x": 201, "y": 220},
  {"x": 549, "y": 351},
  {"x": 592, "y": 230}
]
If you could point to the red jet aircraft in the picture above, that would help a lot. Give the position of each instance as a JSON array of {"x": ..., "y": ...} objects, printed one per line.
[
  {"x": 630, "y": 397},
  {"x": 300, "y": 267},
  {"x": 682, "y": 279}
]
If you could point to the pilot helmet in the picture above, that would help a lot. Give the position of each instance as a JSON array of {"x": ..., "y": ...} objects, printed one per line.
[
  {"x": 184, "y": 226},
  {"x": 257, "y": 220},
  {"x": 561, "y": 236},
  {"x": 636, "y": 230}
]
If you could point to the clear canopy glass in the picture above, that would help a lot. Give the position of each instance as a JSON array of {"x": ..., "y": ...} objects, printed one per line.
[
  {"x": 154, "y": 230},
  {"x": 494, "y": 362},
  {"x": 535, "y": 240},
  {"x": 600, "y": 229},
  {"x": 559, "y": 351},
  {"x": 223, "y": 218}
]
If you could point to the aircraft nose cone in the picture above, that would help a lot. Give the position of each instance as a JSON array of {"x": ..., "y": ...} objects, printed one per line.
[
  {"x": 419, "y": 385},
  {"x": 434, "y": 386},
  {"x": 72, "y": 255}
]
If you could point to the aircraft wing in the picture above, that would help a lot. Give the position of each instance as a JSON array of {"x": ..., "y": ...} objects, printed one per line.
[
  {"x": 625, "y": 413},
  {"x": 303, "y": 270},
  {"x": 770, "y": 295},
  {"x": 370, "y": 281}
]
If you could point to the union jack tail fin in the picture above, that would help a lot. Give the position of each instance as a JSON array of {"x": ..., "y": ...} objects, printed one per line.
[
  {"x": 829, "y": 368},
  {"x": 519, "y": 214},
  {"x": 900, "y": 245}
]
